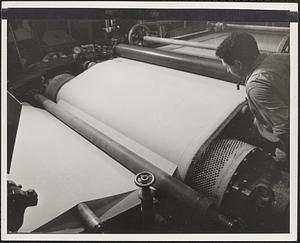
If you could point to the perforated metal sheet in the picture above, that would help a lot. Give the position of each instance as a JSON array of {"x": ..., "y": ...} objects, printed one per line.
[{"x": 220, "y": 159}]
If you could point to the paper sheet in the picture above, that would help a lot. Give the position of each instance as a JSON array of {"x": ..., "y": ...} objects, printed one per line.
[
  {"x": 138, "y": 149},
  {"x": 62, "y": 167},
  {"x": 170, "y": 112}
]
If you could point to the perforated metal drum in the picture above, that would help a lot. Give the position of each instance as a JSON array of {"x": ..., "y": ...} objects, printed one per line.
[{"x": 214, "y": 167}]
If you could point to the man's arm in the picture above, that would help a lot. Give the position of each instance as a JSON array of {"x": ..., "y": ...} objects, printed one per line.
[{"x": 270, "y": 110}]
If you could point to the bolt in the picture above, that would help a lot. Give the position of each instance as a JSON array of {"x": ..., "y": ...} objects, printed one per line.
[
  {"x": 235, "y": 187},
  {"x": 246, "y": 192}
]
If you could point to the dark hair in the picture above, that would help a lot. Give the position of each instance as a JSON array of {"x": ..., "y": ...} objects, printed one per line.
[{"x": 238, "y": 46}]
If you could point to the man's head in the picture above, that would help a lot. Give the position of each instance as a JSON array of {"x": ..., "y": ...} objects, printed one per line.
[{"x": 238, "y": 52}]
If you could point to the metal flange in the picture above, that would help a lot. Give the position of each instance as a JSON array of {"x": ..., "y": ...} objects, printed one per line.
[
  {"x": 136, "y": 34},
  {"x": 144, "y": 179}
]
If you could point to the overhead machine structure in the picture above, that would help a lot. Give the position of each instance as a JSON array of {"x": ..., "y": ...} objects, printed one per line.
[{"x": 204, "y": 43}]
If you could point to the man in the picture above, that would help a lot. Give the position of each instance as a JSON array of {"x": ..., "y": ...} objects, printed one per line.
[{"x": 267, "y": 80}]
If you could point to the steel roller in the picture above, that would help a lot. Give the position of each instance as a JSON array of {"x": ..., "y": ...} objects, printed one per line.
[
  {"x": 178, "y": 42},
  {"x": 205, "y": 66},
  {"x": 225, "y": 27},
  {"x": 258, "y": 28}
]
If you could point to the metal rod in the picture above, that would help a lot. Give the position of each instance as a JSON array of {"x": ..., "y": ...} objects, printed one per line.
[
  {"x": 202, "y": 206},
  {"x": 194, "y": 34},
  {"x": 69, "y": 27},
  {"x": 179, "y": 42},
  {"x": 16, "y": 44},
  {"x": 203, "y": 65},
  {"x": 88, "y": 217},
  {"x": 258, "y": 27}
]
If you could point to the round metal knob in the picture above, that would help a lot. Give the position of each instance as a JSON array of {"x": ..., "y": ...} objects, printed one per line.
[{"x": 144, "y": 179}]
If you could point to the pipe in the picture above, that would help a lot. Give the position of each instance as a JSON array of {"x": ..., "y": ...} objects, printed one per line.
[
  {"x": 88, "y": 217},
  {"x": 190, "y": 35},
  {"x": 202, "y": 65},
  {"x": 179, "y": 42},
  {"x": 145, "y": 180},
  {"x": 258, "y": 27},
  {"x": 202, "y": 206},
  {"x": 283, "y": 46}
]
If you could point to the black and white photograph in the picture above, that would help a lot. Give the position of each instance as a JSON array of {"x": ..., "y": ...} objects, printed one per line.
[{"x": 149, "y": 121}]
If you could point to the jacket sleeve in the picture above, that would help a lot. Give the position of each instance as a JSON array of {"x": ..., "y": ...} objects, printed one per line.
[{"x": 267, "y": 105}]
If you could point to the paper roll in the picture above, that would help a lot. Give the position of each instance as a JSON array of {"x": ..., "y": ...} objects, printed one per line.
[{"x": 170, "y": 112}]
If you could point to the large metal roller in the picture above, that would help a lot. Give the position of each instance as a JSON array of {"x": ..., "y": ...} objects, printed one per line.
[
  {"x": 258, "y": 28},
  {"x": 202, "y": 206},
  {"x": 224, "y": 27},
  {"x": 178, "y": 42},
  {"x": 200, "y": 65}
]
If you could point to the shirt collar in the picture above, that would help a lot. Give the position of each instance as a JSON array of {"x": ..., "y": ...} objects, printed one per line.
[{"x": 256, "y": 63}]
